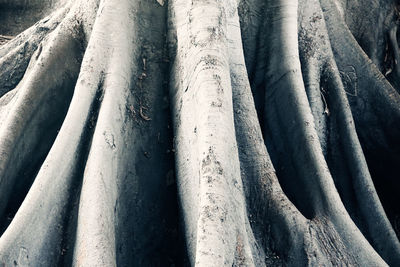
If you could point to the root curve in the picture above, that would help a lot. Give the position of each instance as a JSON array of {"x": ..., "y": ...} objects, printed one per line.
[{"x": 209, "y": 133}]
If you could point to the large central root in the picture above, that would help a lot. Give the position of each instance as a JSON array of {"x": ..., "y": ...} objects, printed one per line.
[{"x": 266, "y": 98}]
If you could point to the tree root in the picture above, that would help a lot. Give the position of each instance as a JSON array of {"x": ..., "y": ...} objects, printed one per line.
[
  {"x": 282, "y": 122},
  {"x": 269, "y": 167},
  {"x": 376, "y": 100},
  {"x": 16, "y": 54},
  {"x": 25, "y": 116},
  {"x": 4, "y": 39}
]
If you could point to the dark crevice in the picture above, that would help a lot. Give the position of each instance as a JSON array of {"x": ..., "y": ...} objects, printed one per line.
[
  {"x": 18, "y": 15},
  {"x": 15, "y": 20},
  {"x": 384, "y": 169},
  {"x": 71, "y": 218},
  {"x": 32, "y": 163},
  {"x": 21, "y": 189}
]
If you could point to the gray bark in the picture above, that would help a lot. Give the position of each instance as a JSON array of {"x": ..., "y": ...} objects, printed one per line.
[{"x": 208, "y": 133}]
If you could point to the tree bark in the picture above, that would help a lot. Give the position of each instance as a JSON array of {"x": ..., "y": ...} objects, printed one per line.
[{"x": 207, "y": 132}]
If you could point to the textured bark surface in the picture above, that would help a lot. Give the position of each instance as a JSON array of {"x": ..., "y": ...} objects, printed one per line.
[{"x": 206, "y": 132}]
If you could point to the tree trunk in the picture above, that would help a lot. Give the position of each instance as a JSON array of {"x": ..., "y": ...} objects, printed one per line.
[{"x": 207, "y": 132}]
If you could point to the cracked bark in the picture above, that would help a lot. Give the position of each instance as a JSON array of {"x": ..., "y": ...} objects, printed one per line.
[{"x": 232, "y": 133}]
